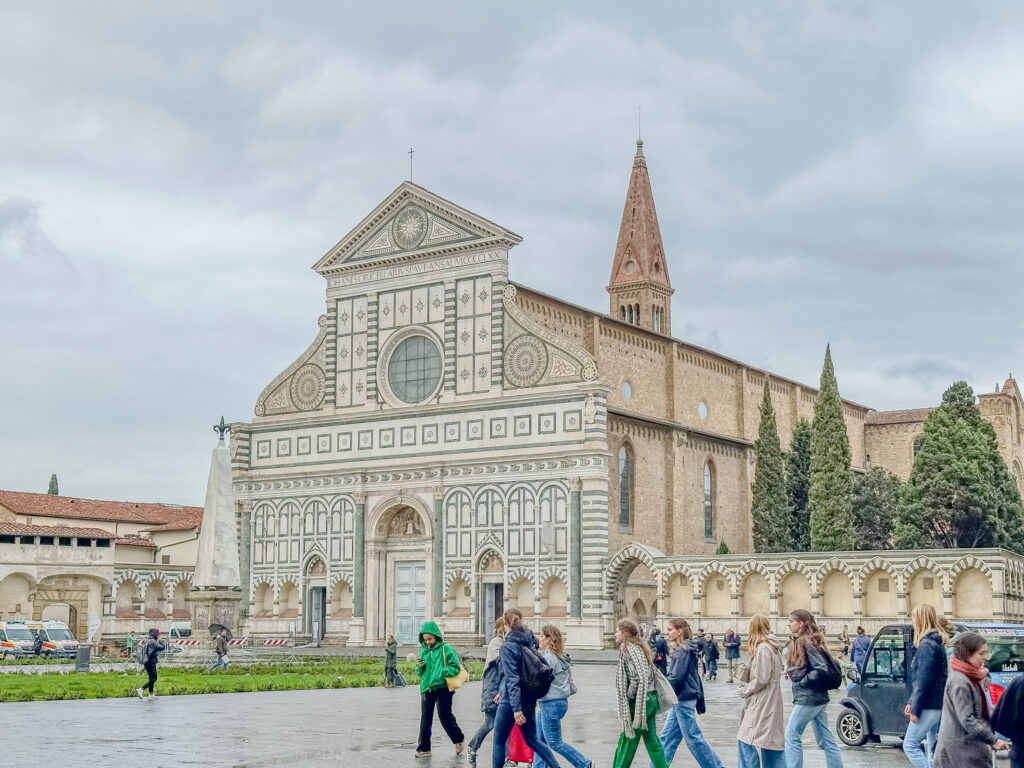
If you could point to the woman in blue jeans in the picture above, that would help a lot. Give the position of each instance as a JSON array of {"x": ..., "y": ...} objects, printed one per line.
[
  {"x": 555, "y": 703},
  {"x": 928, "y": 672},
  {"x": 809, "y": 670},
  {"x": 515, "y": 707},
  {"x": 684, "y": 676}
]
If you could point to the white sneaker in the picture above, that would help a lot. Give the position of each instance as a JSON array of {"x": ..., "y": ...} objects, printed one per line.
[
  {"x": 152, "y": 695},
  {"x": 139, "y": 691}
]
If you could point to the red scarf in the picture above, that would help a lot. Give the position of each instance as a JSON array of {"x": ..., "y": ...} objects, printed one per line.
[{"x": 975, "y": 675}]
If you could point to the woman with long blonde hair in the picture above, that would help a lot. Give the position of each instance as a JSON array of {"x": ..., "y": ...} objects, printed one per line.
[
  {"x": 810, "y": 669},
  {"x": 761, "y": 737},
  {"x": 928, "y": 672},
  {"x": 637, "y": 698}
]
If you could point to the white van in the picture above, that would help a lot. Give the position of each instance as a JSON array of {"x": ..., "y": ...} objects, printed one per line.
[
  {"x": 16, "y": 640},
  {"x": 58, "y": 640}
]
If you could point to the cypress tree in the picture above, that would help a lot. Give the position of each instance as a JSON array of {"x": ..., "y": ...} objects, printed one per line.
[
  {"x": 831, "y": 491},
  {"x": 52, "y": 490},
  {"x": 769, "y": 510},
  {"x": 798, "y": 485},
  {"x": 876, "y": 495}
]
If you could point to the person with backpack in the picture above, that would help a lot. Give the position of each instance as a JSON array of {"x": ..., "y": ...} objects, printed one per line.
[
  {"x": 711, "y": 654},
  {"x": 1008, "y": 719},
  {"x": 761, "y": 737},
  {"x": 684, "y": 677},
  {"x": 221, "y": 649},
  {"x": 489, "y": 689},
  {"x": 390, "y": 661},
  {"x": 525, "y": 678},
  {"x": 147, "y": 657},
  {"x": 927, "y": 682},
  {"x": 437, "y": 661},
  {"x": 659, "y": 650},
  {"x": 859, "y": 650},
  {"x": 732, "y": 651},
  {"x": 637, "y": 698},
  {"x": 814, "y": 673},
  {"x": 555, "y": 703}
]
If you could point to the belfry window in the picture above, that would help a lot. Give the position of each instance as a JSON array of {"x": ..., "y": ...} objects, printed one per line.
[
  {"x": 625, "y": 488},
  {"x": 657, "y": 320},
  {"x": 622, "y": 312},
  {"x": 709, "y": 502}
]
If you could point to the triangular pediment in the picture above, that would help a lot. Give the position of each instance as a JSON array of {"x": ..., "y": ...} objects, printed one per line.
[{"x": 412, "y": 221}]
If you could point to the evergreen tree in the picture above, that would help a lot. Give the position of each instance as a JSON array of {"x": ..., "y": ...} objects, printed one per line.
[
  {"x": 831, "y": 490},
  {"x": 960, "y": 493},
  {"x": 723, "y": 548},
  {"x": 52, "y": 490},
  {"x": 876, "y": 495},
  {"x": 769, "y": 510},
  {"x": 798, "y": 485}
]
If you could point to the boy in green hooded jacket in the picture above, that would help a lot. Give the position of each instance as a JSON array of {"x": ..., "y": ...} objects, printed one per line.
[{"x": 437, "y": 661}]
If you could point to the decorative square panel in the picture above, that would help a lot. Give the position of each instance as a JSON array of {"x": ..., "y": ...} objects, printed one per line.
[
  {"x": 344, "y": 441},
  {"x": 284, "y": 446},
  {"x": 452, "y": 432},
  {"x": 572, "y": 421},
  {"x": 546, "y": 424},
  {"x": 303, "y": 446},
  {"x": 323, "y": 443},
  {"x": 408, "y": 436},
  {"x": 475, "y": 429},
  {"x": 365, "y": 439},
  {"x": 262, "y": 449},
  {"x": 499, "y": 427},
  {"x": 386, "y": 438},
  {"x": 428, "y": 434},
  {"x": 521, "y": 425}
]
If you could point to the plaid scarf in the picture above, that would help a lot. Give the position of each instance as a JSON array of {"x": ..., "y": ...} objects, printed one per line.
[{"x": 633, "y": 679}]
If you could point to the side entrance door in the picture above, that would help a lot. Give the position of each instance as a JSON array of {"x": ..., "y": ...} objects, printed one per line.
[
  {"x": 317, "y": 613},
  {"x": 410, "y": 600},
  {"x": 494, "y": 606}
]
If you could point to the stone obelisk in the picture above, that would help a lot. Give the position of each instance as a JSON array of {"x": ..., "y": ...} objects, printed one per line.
[{"x": 216, "y": 595}]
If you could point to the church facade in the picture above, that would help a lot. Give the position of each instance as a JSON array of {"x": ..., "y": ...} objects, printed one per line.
[{"x": 452, "y": 444}]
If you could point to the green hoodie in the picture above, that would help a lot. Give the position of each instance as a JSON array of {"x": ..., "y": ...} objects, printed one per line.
[{"x": 441, "y": 660}]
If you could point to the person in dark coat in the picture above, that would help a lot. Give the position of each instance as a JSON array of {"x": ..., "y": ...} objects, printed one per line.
[
  {"x": 809, "y": 669},
  {"x": 711, "y": 654},
  {"x": 152, "y": 645},
  {"x": 390, "y": 661},
  {"x": 701, "y": 642},
  {"x": 1008, "y": 719},
  {"x": 859, "y": 651},
  {"x": 927, "y": 683},
  {"x": 732, "y": 651},
  {"x": 659, "y": 649},
  {"x": 37, "y": 644},
  {"x": 490, "y": 689},
  {"x": 965, "y": 736}
]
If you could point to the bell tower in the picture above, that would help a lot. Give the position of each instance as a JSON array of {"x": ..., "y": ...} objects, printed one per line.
[{"x": 639, "y": 291}]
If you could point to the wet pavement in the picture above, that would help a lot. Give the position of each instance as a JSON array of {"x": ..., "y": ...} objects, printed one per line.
[{"x": 371, "y": 727}]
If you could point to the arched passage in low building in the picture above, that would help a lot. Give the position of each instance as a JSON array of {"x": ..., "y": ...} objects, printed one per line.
[
  {"x": 756, "y": 597},
  {"x": 128, "y": 600},
  {"x": 972, "y": 595},
  {"x": 457, "y": 604},
  {"x": 180, "y": 609},
  {"x": 794, "y": 593},
  {"x": 679, "y": 595},
  {"x": 263, "y": 601},
  {"x": 554, "y": 599},
  {"x": 924, "y": 588},
  {"x": 156, "y": 600},
  {"x": 879, "y": 593},
  {"x": 15, "y": 591},
  {"x": 836, "y": 595},
  {"x": 635, "y": 582},
  {"x": 521, "y": 596},
  {"x": 288, "y": 601},
  {"x": 717, "y": 599}
]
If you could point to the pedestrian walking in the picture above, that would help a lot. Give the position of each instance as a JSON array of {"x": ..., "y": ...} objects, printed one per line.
[
  {"x": 221, "y": 649},
  {"x": 711, "y": 654},
  {"x": 811, "y": 669},
  {"x": 516, "y": 705},
  {"x": 761, "y": 737},
  {"x": 701, "y": 642},
  {"x": 147, "y": 657},
  {"x": 844, "y": 638},
  {"x": 659, "y": 650},
  {"x": 732, "y": 651},
  {"x": 489, "y": 690},
  {"x": 684, "y": 677},
  {"x": 555, "y": 703},
  {"x": 1008, "y": 719},
  {"x": 965, "y": 736},
  {"x": 859, "y": 651},
  {"x": 437, "y": 661},
  {"x": 390, "y": 661},
  {"x": 129, "y": 643},
  {"x": 636, "y": 697},
  {"x": 927, "y": 684}
]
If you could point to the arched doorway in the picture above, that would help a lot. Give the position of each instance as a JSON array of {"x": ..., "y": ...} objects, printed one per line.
[
  {"x": 397, "y": 568},
  {"x": 491, "y": 576},
  {"x": 636, "y": 592},
  {"x": 69, "y": 591},
  {"x": 61, "y": 612},
  {"x": 316, "y": 599}
]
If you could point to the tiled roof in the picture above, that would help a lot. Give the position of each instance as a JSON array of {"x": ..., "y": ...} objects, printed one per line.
[
  {"x": 48, "y": 505},
  {"x": 193, "y": 521},
  {"x": 908, "y": 416},
  {"x": 135, "y": 541},
  {"x": 17, "y": 529}
]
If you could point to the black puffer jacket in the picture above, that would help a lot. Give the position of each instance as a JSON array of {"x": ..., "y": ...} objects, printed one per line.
[
  {"x": 809, "y": 680},
  {"x": 928, "y": 672}
]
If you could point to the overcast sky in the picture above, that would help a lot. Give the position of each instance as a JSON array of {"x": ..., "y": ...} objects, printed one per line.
[{"x": 169, "y": 174}]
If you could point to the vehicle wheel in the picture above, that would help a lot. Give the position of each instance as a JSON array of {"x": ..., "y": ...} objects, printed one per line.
[{"x": 850, "y": 727}]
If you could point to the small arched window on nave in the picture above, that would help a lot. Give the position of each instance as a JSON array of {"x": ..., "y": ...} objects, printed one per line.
[
  {"x": 709, "y": 502},
  {"x": 625, "y": 488}
]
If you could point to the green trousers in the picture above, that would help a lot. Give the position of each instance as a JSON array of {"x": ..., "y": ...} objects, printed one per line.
[{"x": 626, "y": 750}]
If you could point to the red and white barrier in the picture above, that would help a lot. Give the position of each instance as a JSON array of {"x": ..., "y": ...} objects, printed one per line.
[
  {"x": 185, "y": 643},
  {"x": 238, "y": 641},
  {"x": 277, "y": 641}
]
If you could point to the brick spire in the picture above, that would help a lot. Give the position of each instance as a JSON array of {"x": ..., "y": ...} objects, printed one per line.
[{"x": 639, "y": 271}]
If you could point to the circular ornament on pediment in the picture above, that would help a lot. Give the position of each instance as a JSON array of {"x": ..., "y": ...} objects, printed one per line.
[
  {"x": 259, "y": 410},
  {"x": 526, "y": 359},
  {"x": 409, "y": 227},
  {"x": 508, "y": 293},
  {"x": 308, "y": 387}
]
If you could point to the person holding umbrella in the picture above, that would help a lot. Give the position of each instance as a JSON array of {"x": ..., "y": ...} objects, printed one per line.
[{"x": 221, "y": 647}]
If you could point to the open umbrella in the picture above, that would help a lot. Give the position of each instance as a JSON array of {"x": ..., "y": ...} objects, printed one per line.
[{"x": 216, "y": 628}]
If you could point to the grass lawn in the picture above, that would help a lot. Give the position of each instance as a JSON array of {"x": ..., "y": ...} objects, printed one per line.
[{"x": 287, "y": 676}]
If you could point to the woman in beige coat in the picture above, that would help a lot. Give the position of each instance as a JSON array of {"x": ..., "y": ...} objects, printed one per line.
[{"x": 762, "y": 729}]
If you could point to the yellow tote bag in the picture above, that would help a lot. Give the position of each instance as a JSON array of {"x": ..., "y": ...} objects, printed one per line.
[{"x": 459, "y": 679}]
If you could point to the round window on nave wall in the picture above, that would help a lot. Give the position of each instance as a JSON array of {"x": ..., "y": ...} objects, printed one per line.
[{"x": 414, "y": 372}]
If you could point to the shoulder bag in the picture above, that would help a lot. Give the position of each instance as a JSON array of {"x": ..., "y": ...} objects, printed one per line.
[{"x": 456, "y": 681}]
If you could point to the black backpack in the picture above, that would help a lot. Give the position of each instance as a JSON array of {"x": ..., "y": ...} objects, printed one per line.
[
  {"x": 535, "y": 676},
  {"x": 834, "y": 678}
]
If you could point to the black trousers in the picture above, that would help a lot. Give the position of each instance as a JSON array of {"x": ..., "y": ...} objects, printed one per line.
[
  {"x": 151, "y": 671},
  {"x": 442, "y": 698}
]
